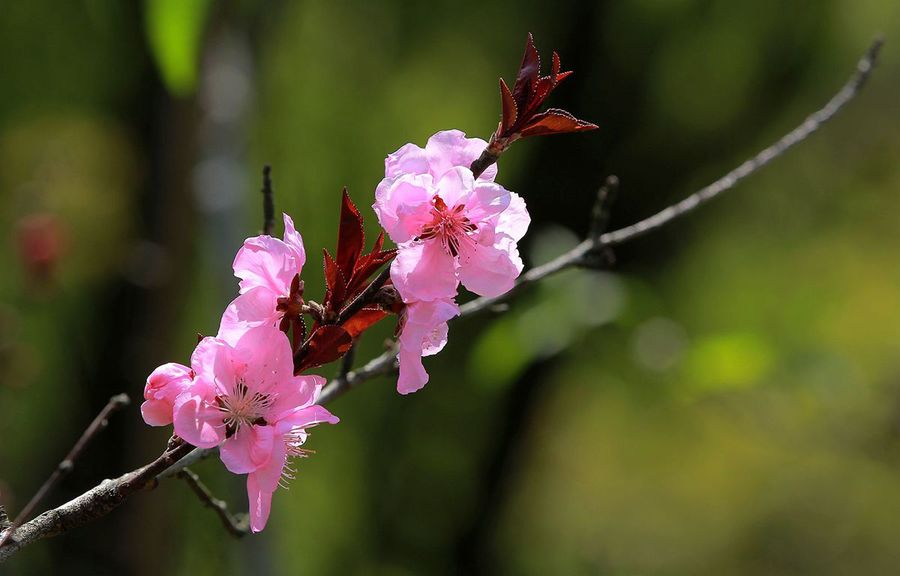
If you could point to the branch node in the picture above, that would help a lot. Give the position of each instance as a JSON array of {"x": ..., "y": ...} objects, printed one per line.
[
  {"x": 606, "y": 196},
  {"x": 237, "y": 525}
]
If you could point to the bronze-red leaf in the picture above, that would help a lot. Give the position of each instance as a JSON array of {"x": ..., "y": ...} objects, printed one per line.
[
  {"x": 528, "y": 72},
  {"x": 335, "y": 283},
  {"x": 521, "y": 114},
  {"x": 370, "y": 264},
  {"x": 362, "y": 320},
  {"x": 555, "y": 121},
  {"x": 350, "y": 236},
  {"x": 508, "y": 104},
  {"x": 327, "y": 344},
  {"x": 379, "y": 242}
]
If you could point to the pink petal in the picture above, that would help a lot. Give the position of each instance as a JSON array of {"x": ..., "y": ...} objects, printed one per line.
[
  {"x": 514, "y": 221},
  {"x": 409, "y": 159},
  {"x": 413, "y": 376},
  {"x": 456, "y": 186},
  {"x": 486, "y": 270},
  {"x": 268, "y": 475},
  {"x": 424, "y": 271},
  {"x": 157, "y": 412},
  {"x": 403, "y": 205},
  {"x": 299, "y": 393},
  {"x": 487, "y": 201},
  {"x": 424, "y": 333},
  {"x": 294, "y": 241},
  {"x": 308, "y": 417},
  {"x": 451, "y": 148},
  {"x": 267, "y": 261},
  {"x": 435, "y": 339},
  {"x": 260, "y": 504},
  {"x": 248, "y": 449},
  {"x": 164, "y": 385},
  {"x": 197, "y": 422},
  {"x": 206, "y": 358},
  {"x": 168, "y": 381},
  {"x": 253, "y": 308},
  {"x": 263, "y": 358}
]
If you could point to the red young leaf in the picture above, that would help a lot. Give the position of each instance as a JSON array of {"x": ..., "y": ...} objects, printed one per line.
[
  {"x": 510, "y": 110},
  {"x": 370, "y": 263},
  {"x": 362, "y": 320},
  {"x": 379, "y": 242},
  {"x": 528, "y": 71},
  {"x": 555, "y": 121},
  {"x": 335, "y": 283},
  {"x": 327, "y": 344},
  {"x": 348, "y": 275},
  {"x": 350, "y": 236},
  {"x": 521, "y": 114}
]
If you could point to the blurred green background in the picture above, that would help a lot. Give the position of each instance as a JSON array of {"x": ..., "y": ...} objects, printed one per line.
[{"x": 724, "y": 400}]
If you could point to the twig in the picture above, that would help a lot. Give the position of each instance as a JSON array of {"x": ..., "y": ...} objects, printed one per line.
[
  {"x": 236, "y": 525},
  {"x": 483, "y": 162},
  {"x": 100, "y": 500},
  {"x": 95, "y": 503},
  {"x": 65, "y": 466},
  {"x": 364, "y": 297},
  {"x": 815, "y": 121},
  {"x": 268, "y": 201},
  {"x": 347, "y": 361},
  {"x": 606, "y": 196}
]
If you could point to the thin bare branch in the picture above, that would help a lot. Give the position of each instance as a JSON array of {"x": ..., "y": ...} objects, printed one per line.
[
  {"x": 268, "y": 201},
  {"x": 236, "y": 525},
  {"x": 65, "y": 466},
  {"x": 347, "y": 361},
  {"x": 812, "y": 123}
]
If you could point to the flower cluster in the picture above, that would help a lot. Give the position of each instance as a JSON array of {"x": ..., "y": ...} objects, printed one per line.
[
  {"x": 450, "y": 228},
  {"x": 240, "y": 393},
  {"x": 246, "y": 391}
]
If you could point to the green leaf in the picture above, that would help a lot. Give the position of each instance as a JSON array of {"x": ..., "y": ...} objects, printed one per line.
[{"x": 174, "y": 31}]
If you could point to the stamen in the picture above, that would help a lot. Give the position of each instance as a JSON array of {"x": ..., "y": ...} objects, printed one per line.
[
  {"x": 450, "y": 227},
  {"x": 243, "y": 408},
  {"x": 293, "y": 439}
]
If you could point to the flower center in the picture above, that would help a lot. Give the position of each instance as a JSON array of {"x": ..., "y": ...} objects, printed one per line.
[
  {"x": 243, "y": 407},
  {"x": 450, "y": 227}
]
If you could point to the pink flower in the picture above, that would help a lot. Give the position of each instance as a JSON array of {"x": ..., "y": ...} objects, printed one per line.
[
  {"x": 246, "y": 400},
  {"x": 267, "y": 268},
  {"x": 163, "y": 386},
  {"x": 424, "y": 333},
  {"x": 450, "y": 227}
]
